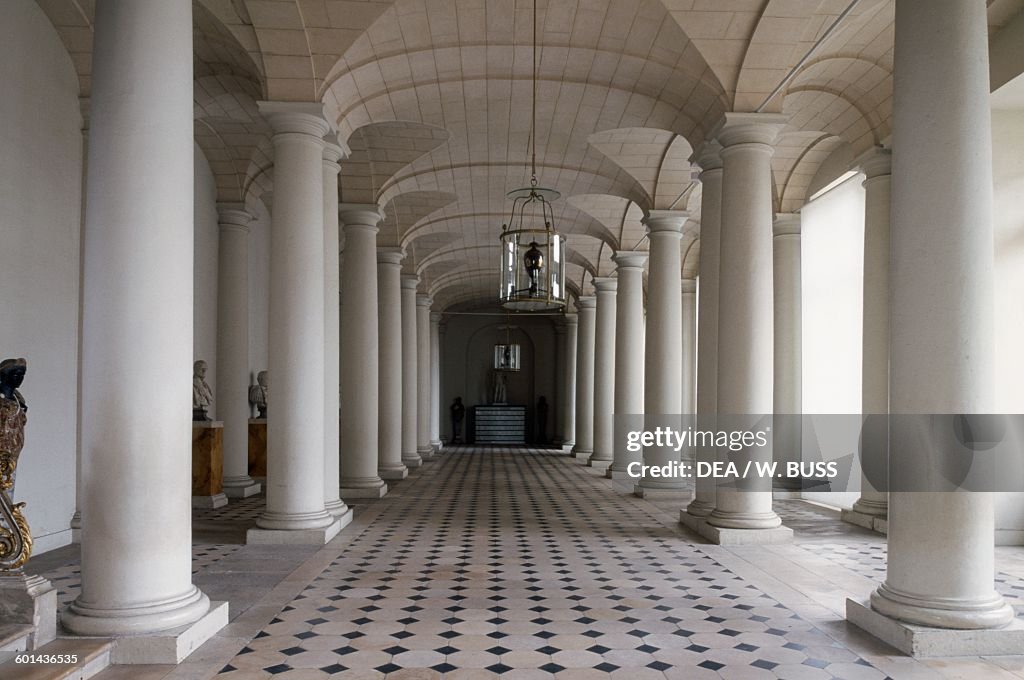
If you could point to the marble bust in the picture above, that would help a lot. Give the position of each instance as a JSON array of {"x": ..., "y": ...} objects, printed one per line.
[
  {"x": 202, "y": 395},
  {"x": 258, "y": 394}
]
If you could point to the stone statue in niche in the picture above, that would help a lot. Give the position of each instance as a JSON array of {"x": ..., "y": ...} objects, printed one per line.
[
  {"x": 542, "y": 420},
  {"x": 500, "y": 388},
  {"x": 15, "y": 537},
  {"x": 202, "y": 395},
  {"x": 258, "y": 394},
  {"x": 458, "y": 412}
]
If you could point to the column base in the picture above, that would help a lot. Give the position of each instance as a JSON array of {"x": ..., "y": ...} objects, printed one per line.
[
  {"x": 364, "y": 490},
  {"x": 698, "y": 509},
  {"x": 393, "y": 473},
  {"x": 241, "y": 488},
  {"x": 411, "y": 460},
  {"x": 76, "y": 527},
  {"x": 599, "y": 463},
  {"x": 210, "y": 502},
  {"x": 299, "y": 536},
  {"x": 925, "y": 642},
  {"x": 30, "y": 601},
  {"x": 735, "y": 537},
  {"x": 436, "y": 445},
  {"x": 876, "y": 523},
  {"x": 172, "y": 646},
  {"x": 746, "y": 521},
  {"x": 666, "y": 493},
  {"x": 611, "y": 472},
  {"x": 337, "y": 508},
  {"x": 426, "y": 453},
  {"x": 577, "y": 452}
]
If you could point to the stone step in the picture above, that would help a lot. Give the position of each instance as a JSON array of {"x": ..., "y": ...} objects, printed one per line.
[
  {"x": 92, "y": 656},
  {"x": 14, "y": 637}
]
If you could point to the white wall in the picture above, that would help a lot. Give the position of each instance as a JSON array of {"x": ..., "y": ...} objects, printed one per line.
[
  {"x": 1008, "y": 175},
  {"x": 832, "y": 256},
  {"x": 205, "y": 272},
  {"x": 40, "y": 223}
]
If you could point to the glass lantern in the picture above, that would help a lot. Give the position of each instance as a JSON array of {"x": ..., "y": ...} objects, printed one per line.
[
  {"x": 506, "y": 357},
  {"x": 533, "y": 255}
]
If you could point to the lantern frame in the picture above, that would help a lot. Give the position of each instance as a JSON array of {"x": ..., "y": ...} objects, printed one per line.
[{"x": 519, "y": 289}]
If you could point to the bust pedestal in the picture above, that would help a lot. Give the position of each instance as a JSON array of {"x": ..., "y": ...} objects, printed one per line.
[
  {"x": 258, "y": 448},
  {"x": 29, "y": 601},
  {"x": 208, "y": 465}
]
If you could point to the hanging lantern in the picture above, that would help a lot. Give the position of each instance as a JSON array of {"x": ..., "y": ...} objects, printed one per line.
[{"x": 532, "y": 257}]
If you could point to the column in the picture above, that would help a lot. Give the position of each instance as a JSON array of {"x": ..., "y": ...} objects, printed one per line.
[
  {"x": 389, "y": 421},
  {"x": 568, "y": 407},
  {"x": 359, "y": 355},
  {"x": 410, "y": 373},
  {"x": 233, "y": 347},
  {"x": 871, "y": 508},
  {"x": 689, "y": 380},
  {"x": 135, "y": 408},
  {"x": 604, "y": 372},
  {"x": 941, "y": 556},
  {"x": 435, "y": 381},
  {"x": 423, "y": 447},
  {"x": 786, "y": 395},
  {"x": 663, "y": 351},
  {"x": 745, "y": 352},
  {"x": 629, "y": 356},
  {"x": 554, "y": 426},
  {"x": 586, "y": 308},
  {"x": 705, "y": 488},
  {"x": 332, "y": 336},
  {"x": 295, "y": 424}
]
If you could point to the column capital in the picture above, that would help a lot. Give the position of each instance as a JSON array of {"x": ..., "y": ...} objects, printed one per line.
[
  {"x": 708, "y": 157},
  {"x": 233, "y": 217},
  {"x": 570, "y": 319},
  {"x": 410, "y": 281},
  {"x": 390, "y": 255},
  {"x": 875, "y": 162},
  {"x": 435, "y": 318},
  {"x": 689, "y": 286},
  {"x": 668, "y": 221},
  {"x": 629, "y": 259},
  {"x": 586, "y": 302},
  {"x": 360, "y": 216},
  {"x": 333, "y": 154},
  {"x": 424, "y": 300},
  {"x": 305, "y": 118},
  {"x": 605, "y": 284},
  {"x": 786, "y": 224},
  {"x": 749, "y": 128}
]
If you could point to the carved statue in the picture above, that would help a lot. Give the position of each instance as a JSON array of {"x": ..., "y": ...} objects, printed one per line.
[
  {"x": 500, "y": 388},
  {"x": 258, "y": 394},
  {"x": 15, "y": 537},
  {"x": 202, "y": 395},
  {"x": 458, "y": 412}
]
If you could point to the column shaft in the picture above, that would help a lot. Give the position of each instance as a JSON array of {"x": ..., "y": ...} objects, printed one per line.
[
  {"x": 554, "y": 431},
  {"x": 410, "y": 373},
  {"x": 360, "y": 364},
  {"x": 137, "y": 328},
  {"x": 786, "y": 395},
  {"x": 604, "y": 372},
  {"x": 435, "y": 381},
  {"x": 423, "y": 447},
  {"x": 389, "y": 276},
  {"x": 710, "y": 160},
  {"x": 568, "y": 408},
  {"x": 689, "y": 380},
  {"x": 941, "y": 555},
  {"x": 233, "y": 348},
  {"x": 745, "y": 352},
  {"x": 587, "y": 311},
  {"x": 629, "y": 357}
]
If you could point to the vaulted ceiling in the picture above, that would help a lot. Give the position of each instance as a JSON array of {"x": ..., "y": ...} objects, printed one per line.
[{"x": 432, "y": 98}]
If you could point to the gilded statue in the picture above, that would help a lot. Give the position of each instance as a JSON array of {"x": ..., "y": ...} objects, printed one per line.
[{"x": 15, "y": 537}]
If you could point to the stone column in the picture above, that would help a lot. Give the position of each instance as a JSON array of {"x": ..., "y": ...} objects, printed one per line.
[
  {"x": 586, "y": 308},
  {"x": 332, "y": 336},
  {"x": 663, "y": 350},
  {"x": 389, "y": 430},
  {"x": 871, "y": 508},
  {"x": 359, "y": 355},
  {"x": 410, "y": 373},
  {"x": 423, "y": 447},
  {"x": 435, "y": 381},
  {"x": 554, "y": 433},
  {"x": 604, "y": 372},
  {"x": 689, "y": 380},
  {"x": 941, "y": 556},
  {"x": 705, "y": 488},
  {"x": 629, "y": 354},
  {"x": 786, "y": 395},
  {"x": 295, "y": 424},
  {"x": 568, "y": 407},
  {"x": 745, "y": 352},
  {"x": 233, "y": 347},
  {"x": 137, "y": 337}
]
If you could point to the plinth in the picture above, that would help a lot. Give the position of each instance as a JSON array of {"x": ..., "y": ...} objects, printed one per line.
[
  {"x": 258, "y": 447},
  {"x": 208, "y": 465},
  {"x": 29, "y": 601}
]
